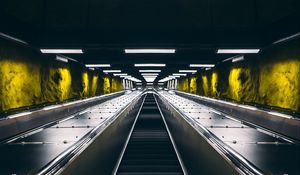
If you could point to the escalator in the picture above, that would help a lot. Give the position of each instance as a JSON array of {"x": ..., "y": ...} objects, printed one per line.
[{"x": 149, "y": 150}]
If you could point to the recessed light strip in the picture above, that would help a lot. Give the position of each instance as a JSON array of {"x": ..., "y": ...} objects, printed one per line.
[
  {"x": 111, "y": 71},
  {"x": 149, "y": 65},
  {"x": 149, "y": 71},
  {"x": 187, "y": 71},
  {"x": 122, "y": 74},
  {"x": 150, "y": 50},
  {"x": 149, "y": 74},
  {"x": 97, "y": 65},
  {"x": 202, "y": 65},
  {"x": 232, "y": 51},
  {"x": 65, "y": 51}
]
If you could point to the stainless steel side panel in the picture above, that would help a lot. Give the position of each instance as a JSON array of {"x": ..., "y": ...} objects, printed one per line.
[
  {"x": 197, "y": 154},
  {"x": 101, "y": 156}
]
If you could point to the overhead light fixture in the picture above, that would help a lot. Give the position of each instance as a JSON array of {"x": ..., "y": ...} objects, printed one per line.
[
  {"x": 122, "y": 74},
  {"x": 150, "y": 50},
  {"x": 208, "y": 68},
  {"x": 149, "y": 79},
  {"x": 62, "y": 59},
  {"x": 65, "y": 51},
  {"x": 111, "y": 71},
  {"x": 149, "y": 71},
  {"x": 125, "y": 76},
  {"x": 235, "y": 58},
  {"x": 176, "y": 74},
  {"x": 232, "y": 51},
  {"x": 149, "y": 74},
  {"x": 150, "y": 65},
  {"x": 3, "y": 35},
  {"x": 91, "y": 68},
  {"x": 202, "y": 65},
  {"x": 238, "y": 58},
  {"x": 291, "y": 37},
  {"x": 187, "y": 71},
  {"x": 97, "y": 65}
]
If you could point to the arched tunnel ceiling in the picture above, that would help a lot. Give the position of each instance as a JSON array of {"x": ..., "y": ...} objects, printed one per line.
[{"x": 103, "y": 28}]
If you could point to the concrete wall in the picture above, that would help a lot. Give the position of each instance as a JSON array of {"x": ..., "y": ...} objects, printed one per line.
[
  {"x": 28, "y": 78},
  {"x": 270, "y": 79}
]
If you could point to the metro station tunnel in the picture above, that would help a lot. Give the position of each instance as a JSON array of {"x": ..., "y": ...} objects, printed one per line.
[{"x": 150, "y": 87}]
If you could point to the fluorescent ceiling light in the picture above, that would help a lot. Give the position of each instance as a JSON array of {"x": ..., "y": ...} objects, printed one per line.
[
  {"x": 202, "y": 65},
  {"x": 125, "y": 76},
  {"x": 149, "y": 65},
  {"x": 149, "y": 71},
  {"x": 187, "y": 71},
  {"x": 176, "y": 74},
  {"x": 238, "y": 51},
  {"x": 149, "y": 74},
  {"x": 122, "y": 74},
  {"x": 91, "y": 68},
  {"x": 62, "y": 51},
  {"x": 97, "y": 65},
  {"x": 150, "y": 50},
  {"x": 3, "y": 35},
  {"x": 294, "y": 36},
  {"x": 208, "y": 68},
  {"x": 237, "y": 59},
  {"x": 111, "y": 71},
  {"x": 62, "y": 59}
]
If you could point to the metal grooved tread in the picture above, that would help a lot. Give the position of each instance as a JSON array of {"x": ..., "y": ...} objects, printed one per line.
[{"x": 149, "y": 150}]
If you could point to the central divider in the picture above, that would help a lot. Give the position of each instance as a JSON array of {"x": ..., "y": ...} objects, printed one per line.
[{"x": 149, "y": 150}]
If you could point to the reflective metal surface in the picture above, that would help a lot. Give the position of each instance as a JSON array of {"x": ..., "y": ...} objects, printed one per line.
[
  {"x": 46, "y": 147},
  {"x": 265, "y": 151}
]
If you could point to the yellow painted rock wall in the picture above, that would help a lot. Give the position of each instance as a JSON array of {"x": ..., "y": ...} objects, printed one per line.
[
  {"x": 19, "y": 84},
  {"x": 270, "y": 79},
  {"x": 241, "y": 84},
  {"x": 214, "y": 85},
  {"x": 183, "y": 85},
  {"x": 57, "y": 84},
  {"x": 106, "y": 85},
  {"x": 116, "y": 85},
  {"x": 29, "y": 78},
  {"x": 193, "y": 85},
  {"x": 85, "y": 85},
  {"x": 205, "y": 85},
  {"x": 94, "y": 85}
]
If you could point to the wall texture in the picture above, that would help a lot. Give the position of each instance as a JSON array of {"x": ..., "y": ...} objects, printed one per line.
[
  {"x": 270, "y": 79},
  {"x": 28, "y": 78}
]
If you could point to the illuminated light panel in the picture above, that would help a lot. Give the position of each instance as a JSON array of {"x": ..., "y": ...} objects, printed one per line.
[
  {"x": 291, "y": 37},
  {"x": 202, "y": 65},
  {"x": 149, "y": 71},
  {"x": 149, "y": 74},
  {"x": 12, "y": 38},
  {"x": 150, "y": 50},
  {"x": 208, "y": 68},
  {"x": 187, "y": 71},
  {"x": 226, "y": 51},
  {"x": 237, "y": 59},
  {"x": 111, "y": 71},
  {"x": 62, "y": 59},
  {"x": 71, "y": 51},
  {"x": 150, "y": 65},
  {"x": 148, "y": 79},
  {"x": 176, "y": 74},
  {"x": 122, "y": 74},
  {"x": 97, "y": 65}
]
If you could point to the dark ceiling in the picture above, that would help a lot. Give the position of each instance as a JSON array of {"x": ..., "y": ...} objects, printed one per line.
[{"x": 103, "y": 28}]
